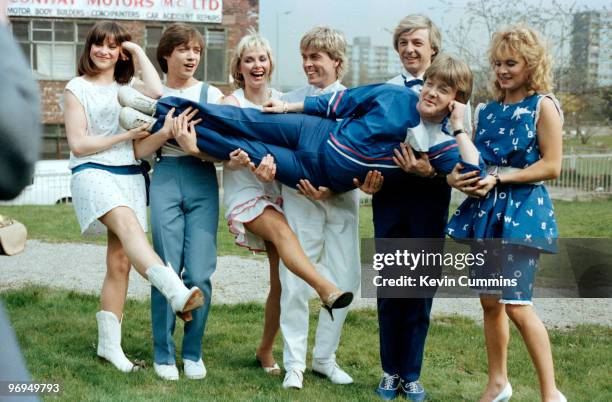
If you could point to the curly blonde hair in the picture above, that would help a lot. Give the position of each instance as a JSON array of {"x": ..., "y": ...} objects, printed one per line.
[
  {"x": 528, "y": 44},
  {"x": 252, "y": 40}
]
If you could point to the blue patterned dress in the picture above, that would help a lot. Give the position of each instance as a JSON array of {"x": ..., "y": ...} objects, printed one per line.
[{"x": 520, "y": 214}]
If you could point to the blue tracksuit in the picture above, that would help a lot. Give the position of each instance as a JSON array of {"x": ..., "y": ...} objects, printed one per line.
[{"x": 314, "y": 145}]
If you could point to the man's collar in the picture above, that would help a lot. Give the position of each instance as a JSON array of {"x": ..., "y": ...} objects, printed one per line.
[
  {"x": 408, "y": 77},
  {"x": 330, "y": 88}
]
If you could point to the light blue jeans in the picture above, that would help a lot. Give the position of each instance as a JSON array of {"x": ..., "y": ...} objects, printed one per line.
[{"x": 184, "y": 219}]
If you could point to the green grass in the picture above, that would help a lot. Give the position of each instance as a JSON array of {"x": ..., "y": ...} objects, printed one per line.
[
  {"x": 58, "y": 224},
  {"x": 57, "y": 333},
  {"x": 601, "y": 143}
]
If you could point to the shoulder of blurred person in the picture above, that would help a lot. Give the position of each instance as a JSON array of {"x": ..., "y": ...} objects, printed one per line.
[{"x": 20, "y": 118}]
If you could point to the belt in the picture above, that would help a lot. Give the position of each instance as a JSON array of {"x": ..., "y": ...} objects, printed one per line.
[
  {"x": 493, "y": 169},
  {"x": 142, "y": 169}
]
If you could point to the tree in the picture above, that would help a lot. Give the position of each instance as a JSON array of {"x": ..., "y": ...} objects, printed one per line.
[{"x": 555, "y": 22}]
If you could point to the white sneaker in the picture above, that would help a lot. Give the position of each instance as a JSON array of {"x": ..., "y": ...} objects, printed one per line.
[
  {"x": 293, "y": 379},
  {"x": 167, "y": 372},
  {"x": 331, "y": 370},
  {"x": 131, "y": 118},
  {"x": 130, "y": 97},
  {"x": 194, "y": 370}
]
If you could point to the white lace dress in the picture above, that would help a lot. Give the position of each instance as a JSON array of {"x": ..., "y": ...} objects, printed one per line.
[
  {"x": 95, "y": 192},
  {"x": 245, "y": 197}
]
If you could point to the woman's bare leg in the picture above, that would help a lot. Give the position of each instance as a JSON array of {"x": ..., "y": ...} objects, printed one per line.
[
  {"x": 272, "y": 311},
  {"x": 497, "y": 336},
  {"x": 115, "y": 285},
  {"x": 123, "y": 222},
  {"x": 272, "y": 226},
  {"x": 536, "y": 339}
]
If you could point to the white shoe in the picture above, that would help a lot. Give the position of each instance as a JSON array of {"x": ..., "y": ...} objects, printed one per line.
[
  {"x": 194, "y": 370},
  {"x": 293, "y": 379},
  {"x": 504, "y": 395},
  {"x": 172, "y": 287},
  {"x": 109, "y": 341},
  {"x": 130, "y": 97},
  {"x": 331, "y": 370},
  {"x": 167, "y": 372},
  {"x": 131, "y": 118}
]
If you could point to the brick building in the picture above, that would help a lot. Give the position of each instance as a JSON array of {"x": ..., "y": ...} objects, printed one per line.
[{"x": 52, "y": 33}]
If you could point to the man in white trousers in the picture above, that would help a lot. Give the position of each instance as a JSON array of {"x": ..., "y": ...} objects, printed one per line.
[{"x": 326, "y": 225}]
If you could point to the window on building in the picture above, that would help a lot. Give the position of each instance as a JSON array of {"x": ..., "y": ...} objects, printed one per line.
[
  {"x": 52, "y": 47},
  {"x": 215, "y": 55},
  {"x": 55, "y": 144},
  {"x": 213, "y": 62},
  {"x": 152, "y": 36}
]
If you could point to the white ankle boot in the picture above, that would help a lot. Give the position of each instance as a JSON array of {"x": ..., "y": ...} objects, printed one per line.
[
  {"x": 171, "y": 286},
  {"x": 130, "y": 97},
  {"x": 109, "y": 341},
  {"x": 131, "y": 118}
]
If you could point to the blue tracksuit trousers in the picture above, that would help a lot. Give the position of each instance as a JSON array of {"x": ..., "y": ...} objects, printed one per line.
[{"x": 225, "y": 128}]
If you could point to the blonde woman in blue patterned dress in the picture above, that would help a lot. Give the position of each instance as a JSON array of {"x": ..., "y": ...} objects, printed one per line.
[{"x": 519, "y": 138}]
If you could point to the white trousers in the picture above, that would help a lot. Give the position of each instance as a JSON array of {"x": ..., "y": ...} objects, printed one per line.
[{"x": 328, "y": 231}]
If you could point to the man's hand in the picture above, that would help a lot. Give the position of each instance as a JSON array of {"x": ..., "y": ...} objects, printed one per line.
[
  {"x": 457, "y": 114},
  {"x": 184, "y": 133},
  {"x": 238, "y": 160},
  {"x": 468, "y": 183},
  {"x": 266, "y": 171},
  {"x": 410, "y": 163},
  {"x": 274, "y": 106},
  {"x": 372, "y": 184},
  {"x": 318, "y": 194},
  {"x": 166, "y": 130}
]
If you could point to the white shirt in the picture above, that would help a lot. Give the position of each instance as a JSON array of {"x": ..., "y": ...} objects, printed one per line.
[
  {"x": 404, "y": 77},
  {"x": 300, "y": 94},
  {"x": 192, "y": 93}
]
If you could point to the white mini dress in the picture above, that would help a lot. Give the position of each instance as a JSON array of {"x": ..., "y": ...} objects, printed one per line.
[
  {"x": 96, "y": 192},
  {"x": 245, "y": 197}
]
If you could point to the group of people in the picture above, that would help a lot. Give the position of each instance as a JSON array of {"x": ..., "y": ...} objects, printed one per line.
[{"x": 290, "y": 188}]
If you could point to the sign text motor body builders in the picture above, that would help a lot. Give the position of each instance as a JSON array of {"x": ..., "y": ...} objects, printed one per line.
[{"x": 151, "y": 10}]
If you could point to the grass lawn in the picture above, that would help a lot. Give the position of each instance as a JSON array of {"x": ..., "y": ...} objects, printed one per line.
[
  {"x": 602, "y": 143},
  {"x": 57, "y": 333},
  {"x": 57, "y": 223}
]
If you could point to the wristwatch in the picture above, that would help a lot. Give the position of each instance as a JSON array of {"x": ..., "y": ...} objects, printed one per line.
[
  {"x": 459, "y": 131},
  {"x": 497, "y": 179}
]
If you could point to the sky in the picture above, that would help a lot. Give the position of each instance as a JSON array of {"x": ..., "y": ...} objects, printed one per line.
[{"x": 374, "y": 18}]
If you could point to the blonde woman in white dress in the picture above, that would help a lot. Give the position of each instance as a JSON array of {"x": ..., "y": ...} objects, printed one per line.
[{"x": 253, "y": 207}]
